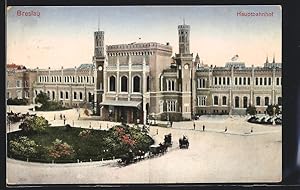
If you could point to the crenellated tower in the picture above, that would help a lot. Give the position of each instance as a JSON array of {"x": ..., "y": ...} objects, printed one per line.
[{"x": 99, "y": 64}]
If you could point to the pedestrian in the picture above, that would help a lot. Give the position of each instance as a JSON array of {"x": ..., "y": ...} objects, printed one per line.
[
  {"x": 171, "y": 123},
  {"x": 64, "y": 121},
  {"x": 157, "y": 131},
  {"x": 78, "y": 116},
  {"x": 100, "y": 125},
  {"x": 251, "y": 130},
  {"x": 54, "y": 116},
  {"x": 225, "y": 129},
  {"x": 60, "y": 116},
  {"x": 194, "y": 126},
  {"x": 90, "y": 124},
  {"x": 203, "y": 127}
]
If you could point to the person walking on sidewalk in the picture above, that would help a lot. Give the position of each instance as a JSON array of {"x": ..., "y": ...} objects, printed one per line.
[
  {"x": 203, "y": 127},
  {"x": 225, "y": 129},
  {"x": 194, "y": 125}
]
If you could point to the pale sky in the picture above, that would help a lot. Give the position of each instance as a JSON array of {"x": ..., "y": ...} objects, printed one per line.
[{"x": 63, "y": 36}]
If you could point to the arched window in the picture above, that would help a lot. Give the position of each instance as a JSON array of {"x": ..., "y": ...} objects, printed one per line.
[
  {"x": 112, "y": 83},
  {"x": 136, "y": 84},
  {"x": 75, "y": 95},
  {"x": 73, "y": 79},
  {"x": 80, "y": 95},
  {"x": 124, "y": 84},
  {"x": 267, "y": 101},
  {"x": 53, "y": 95},
  {"x": 224, "y": 100},
  {"x": 237, "y": 102},
  {"x": 258, "y": 101},
  {"x": 148, "y": 83},
  {"x": 245, "y": 102},
  {"x": 61, "y": 95},
  {"x": 216, "y": 100},
  {"x": 67, "y": 95}
]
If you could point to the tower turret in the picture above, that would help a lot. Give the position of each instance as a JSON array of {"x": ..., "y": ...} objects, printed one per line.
[{"x": 184, "y": 38}]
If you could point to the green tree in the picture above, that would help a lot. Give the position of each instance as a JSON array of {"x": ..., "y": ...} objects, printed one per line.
[
  {"x": 270, "y": 109},
  {"x": 251, "y": 110},
  {"x": 34, "y": 124},
  {"x": 23, "y": 147},
  {"x": 42, "y": 98}
]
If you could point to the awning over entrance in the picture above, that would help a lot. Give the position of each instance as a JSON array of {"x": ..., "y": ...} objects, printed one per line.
[{"x": 136, "y": 104}]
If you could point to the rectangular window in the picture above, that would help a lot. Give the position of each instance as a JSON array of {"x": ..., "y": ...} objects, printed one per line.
[
  {"x": 265, "y": 81},
  {"x": 277, "y": 81},
  {"x": 171, "y": 105},
  {"x": 256, "y": 81},
  {"x": 201, "y": 100},
  {"x": 244, "y": 81},
  {"x": 228, "y": 81},
  {"x": 61, "y": 95},
  {"x": 240, "y": 81},
  {"x": 216, "y": 80},
  {"x": 220, "y": 80},
  {"x": 18, "y": 83},
  {"x": 26, "y": 94},
  {"x": 224, "y": 81},
  {"x": 235, "y": 80},
  {"x": 270, "y": 81},
  {"x": 248, "y": 80}
]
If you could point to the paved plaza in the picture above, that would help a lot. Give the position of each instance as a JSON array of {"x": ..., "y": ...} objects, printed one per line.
[{"x": 213, "y": 156}]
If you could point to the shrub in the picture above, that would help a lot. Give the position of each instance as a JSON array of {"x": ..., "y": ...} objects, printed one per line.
[
  {"x": 60, "y": 150},
  {"x": 270, "y": 109},
  {"x": 34, "y": 124},
  {"x": 251, "y": 110},
  {"x": 86, "y": 112},
  {"x": 23, "y": 147},
  {"x": 17, "y": 101}
]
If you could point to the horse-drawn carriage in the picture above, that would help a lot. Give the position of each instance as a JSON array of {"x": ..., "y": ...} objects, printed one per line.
[
  {"x": 183, "y": 142},
  {"x": 127, "y": 158},
  {"x": 157, "y": 149}
]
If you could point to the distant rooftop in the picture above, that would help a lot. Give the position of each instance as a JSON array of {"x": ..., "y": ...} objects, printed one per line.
[
  {"x": 15, "y": 67},
  {"x": 86, "y": 66}
]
